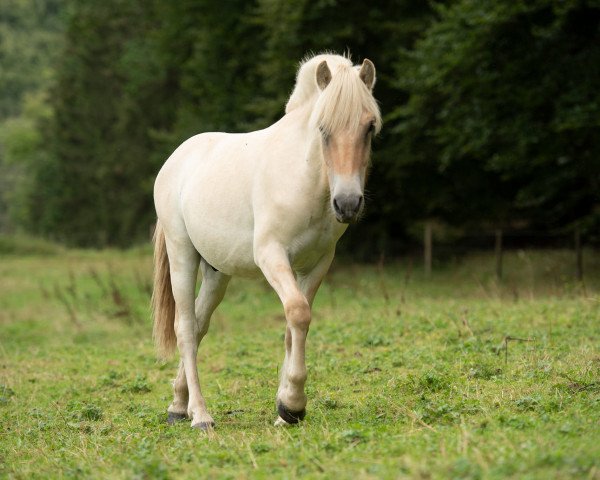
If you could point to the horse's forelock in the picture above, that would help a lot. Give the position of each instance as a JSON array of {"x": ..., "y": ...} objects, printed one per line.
[
  {"x": 306, "y": 87},
  {"x": 341, "y": 104}
]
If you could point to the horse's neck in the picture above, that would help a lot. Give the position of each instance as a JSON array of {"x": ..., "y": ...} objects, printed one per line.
[
  {"x": 308, "y": 169},
  {"x": 316, "y": 172},
  {"x": 314, "y": 155}
]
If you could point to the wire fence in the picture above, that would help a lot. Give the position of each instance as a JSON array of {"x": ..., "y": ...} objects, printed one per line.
[
  {"x": 499, "y": 242},
  {"x": 435, "y": 245}
]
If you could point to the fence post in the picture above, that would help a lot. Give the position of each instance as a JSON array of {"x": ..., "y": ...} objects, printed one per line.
[
  {"x": 578, "y": 254},
  {"x": 498, "y": 250},
  {"x": 428, "y": 247}
]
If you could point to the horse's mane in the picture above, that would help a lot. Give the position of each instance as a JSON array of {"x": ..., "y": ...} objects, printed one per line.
[{"x": 340, "y": 105}]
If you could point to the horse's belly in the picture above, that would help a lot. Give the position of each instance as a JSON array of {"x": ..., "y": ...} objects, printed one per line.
[
  {"x": 223, "y": 238},
  {"x": 219, "y": 220},
  {"x": 227, "y": 250}
]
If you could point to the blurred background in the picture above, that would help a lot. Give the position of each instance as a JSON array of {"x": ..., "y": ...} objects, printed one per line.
[{"x": 491, "y": 109}]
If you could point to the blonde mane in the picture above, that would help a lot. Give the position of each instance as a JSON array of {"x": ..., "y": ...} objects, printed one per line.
[{"x": 340, "y": 105}]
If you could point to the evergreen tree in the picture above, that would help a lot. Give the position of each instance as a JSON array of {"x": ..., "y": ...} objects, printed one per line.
[
  {"x": 30, "y": 36},
  {"x": 95, "y": 187},
  {"x": 491, "y": 109},
  {"x": 504, "y": 109}
]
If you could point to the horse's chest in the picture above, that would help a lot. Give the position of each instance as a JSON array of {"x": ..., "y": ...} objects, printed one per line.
[{"x": 310, "y": 244}]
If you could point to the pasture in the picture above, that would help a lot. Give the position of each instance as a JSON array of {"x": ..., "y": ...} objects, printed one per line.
[{"x": 455, "y": 376}]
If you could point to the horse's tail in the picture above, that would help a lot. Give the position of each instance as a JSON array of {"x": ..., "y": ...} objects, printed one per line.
[{"x": 163, "y": 303}]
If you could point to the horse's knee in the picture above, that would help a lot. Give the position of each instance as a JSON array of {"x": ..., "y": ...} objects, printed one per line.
[
  {"x": 297, "y": 377},
  {"x": 297, "y": 312}
]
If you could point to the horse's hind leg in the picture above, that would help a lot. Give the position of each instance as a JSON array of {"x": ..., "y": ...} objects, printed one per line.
[
  {"x": 212, "y": 291},
  {"x": 184, "y": 261},
  {"x": 178, "y": 408}
]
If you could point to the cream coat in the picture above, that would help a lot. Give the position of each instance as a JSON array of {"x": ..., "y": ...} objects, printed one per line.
[{"x": 272, "y": 202}]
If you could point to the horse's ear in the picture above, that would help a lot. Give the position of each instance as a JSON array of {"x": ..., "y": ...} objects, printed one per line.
[
  {"x": 367, "y": 73},
  {"x": 323, "y": 75}
]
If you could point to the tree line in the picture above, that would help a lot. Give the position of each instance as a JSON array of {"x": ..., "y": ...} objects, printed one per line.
[{"x": 491, "y": 109}]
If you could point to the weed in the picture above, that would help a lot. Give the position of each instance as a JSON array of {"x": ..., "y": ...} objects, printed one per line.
[
  {"x": 138, "y": 385},
  {"x": 111, "y": 379},
  {"x": 376, "y": 341},
  {"x": 85, "y": 411},
  {"x": 352, "y": 436},
  {"x": 5, "y": 394},
  {"x": 432, "y": 381},
  {"x": 484, "y": 372}
]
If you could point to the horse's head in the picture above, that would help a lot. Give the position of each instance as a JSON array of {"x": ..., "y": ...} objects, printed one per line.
[{"x": 347, "y": 117}]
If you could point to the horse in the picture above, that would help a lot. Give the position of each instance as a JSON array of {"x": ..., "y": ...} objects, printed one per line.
[{"x": 272, "y": 202}]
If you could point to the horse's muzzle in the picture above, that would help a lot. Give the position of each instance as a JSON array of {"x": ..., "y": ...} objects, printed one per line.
[{"x": 347, "y": 207}]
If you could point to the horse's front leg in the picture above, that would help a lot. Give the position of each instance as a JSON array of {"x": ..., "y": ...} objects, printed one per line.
[
  {"x": 274, "y": 263},
  {"x": 309, "y": 284}
]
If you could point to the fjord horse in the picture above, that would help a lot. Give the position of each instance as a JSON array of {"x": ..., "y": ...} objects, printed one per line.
[{"x": 271, "y": 202}]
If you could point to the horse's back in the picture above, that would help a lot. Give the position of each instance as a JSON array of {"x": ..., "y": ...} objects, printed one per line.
[{"x": 192, "y": 153}]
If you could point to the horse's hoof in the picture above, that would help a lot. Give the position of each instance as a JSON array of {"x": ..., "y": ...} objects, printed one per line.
[
  {"x": 173, "y": 418},
  {"x": 289, "y": 416},
  {"x": 204, "y": 426}
]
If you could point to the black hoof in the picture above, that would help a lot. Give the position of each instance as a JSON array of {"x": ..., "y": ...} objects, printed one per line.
[
  {"x": 288, "y": 415},
  {"x": 204, "y": 426},
  {"x": 173, "y": 418}
]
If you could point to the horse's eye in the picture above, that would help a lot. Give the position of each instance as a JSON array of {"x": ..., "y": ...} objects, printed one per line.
[{"x": 370, "y": 131}]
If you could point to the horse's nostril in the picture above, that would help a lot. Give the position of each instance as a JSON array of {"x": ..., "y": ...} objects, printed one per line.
[
  {"x": 336, "y": 206},
  {"x": 347, "y": 205},
  {"x": 360, "y": 201}
]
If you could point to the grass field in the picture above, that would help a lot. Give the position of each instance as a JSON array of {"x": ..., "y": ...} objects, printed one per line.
[{"x": 457, "y": 376}]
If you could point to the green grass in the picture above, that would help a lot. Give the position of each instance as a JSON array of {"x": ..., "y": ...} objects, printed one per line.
[
  {"x": 27, "y": 245},
  {"x": 457, "y": 376}
]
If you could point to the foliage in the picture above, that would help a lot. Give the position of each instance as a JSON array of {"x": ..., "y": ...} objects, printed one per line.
[
  {"x": 408, "y": 377},
  {"x": 30, "y": 36},
  {"x": 491, "y": 108},
  {"x": 97, "y": 179},
  {"x": 505, "y": 97}
]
